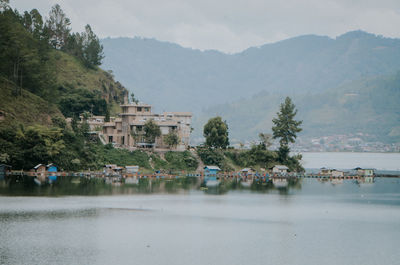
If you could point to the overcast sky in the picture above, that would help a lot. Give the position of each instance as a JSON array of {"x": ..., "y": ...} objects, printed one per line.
[{"x": 225, "y": 25}]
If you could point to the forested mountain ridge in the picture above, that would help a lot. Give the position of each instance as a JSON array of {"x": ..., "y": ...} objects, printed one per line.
[
  {"x": 369, "y": 106},
  {"x": 47, "y": 74},
  {"x": 168, "y": 75},
  {"x": 58, "y": 76}
]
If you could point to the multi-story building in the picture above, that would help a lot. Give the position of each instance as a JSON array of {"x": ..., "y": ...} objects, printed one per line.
[{"x": 128, "y": 130}]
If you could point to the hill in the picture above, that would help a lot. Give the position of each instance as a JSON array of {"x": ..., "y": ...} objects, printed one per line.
[
  {"x": 369, "y": 105},
  {"x": 172, "y": 77}
]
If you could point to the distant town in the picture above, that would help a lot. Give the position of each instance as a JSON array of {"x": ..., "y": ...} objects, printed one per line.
[{"x": 358, "y": 142}]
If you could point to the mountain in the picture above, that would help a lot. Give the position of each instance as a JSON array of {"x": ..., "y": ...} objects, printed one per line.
[
  {"x": 175, "y": 78},
  {"x": 369, "y": 106}
]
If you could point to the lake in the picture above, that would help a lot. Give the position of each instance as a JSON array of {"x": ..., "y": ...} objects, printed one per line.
[
  {"x": 350, "y": 160},
  {"x": 312, "y": 222}
]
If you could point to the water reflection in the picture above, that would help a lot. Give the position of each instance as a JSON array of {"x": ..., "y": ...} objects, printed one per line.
[{"x": 97, "y": 186}]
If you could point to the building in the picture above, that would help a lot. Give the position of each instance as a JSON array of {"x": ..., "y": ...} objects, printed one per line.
[
  {"x": 211, "y": 171},
  {"x": 40, "y": 172},
  {"x": 337, "y": 173},
  {"x": 247, "y": 171},
  {"x": 52, "y": 169},
  {"x": 331, "y": 172},
  {"x": 365, "y": 172},
  {"x": 127, "y": 131},
  {"x": 280, "y": 169},
  {"x": 112, "y": 170},
  {"x": 131, "y": 169}
]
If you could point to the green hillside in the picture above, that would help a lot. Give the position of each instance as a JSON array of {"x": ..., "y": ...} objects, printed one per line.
[{"x": 370, "y": 105}]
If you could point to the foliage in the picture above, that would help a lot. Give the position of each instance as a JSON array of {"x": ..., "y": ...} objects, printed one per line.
[
  {"x": 134, "y": 99},
  {"x": 58, "y": 27},
  {"x": 152, "y": 131},
  {"x": 257, "y": 156},
  {"x": 216, "y": 133},
  {"x": 211, "y": 156},
  {"x": 181, "y": 160},
  {"x": 172, "y": 139},
  {"x": 286, "y": 128},
  {"x": 77, "y": 101},
  {"x": 266, "y": 140}
]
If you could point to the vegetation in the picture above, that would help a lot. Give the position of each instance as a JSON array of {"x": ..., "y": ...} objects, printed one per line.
[
  {"x": 216, "y": 133},
  {"x": 151, "y": 131},
  {"x": 172, "y": 139}
]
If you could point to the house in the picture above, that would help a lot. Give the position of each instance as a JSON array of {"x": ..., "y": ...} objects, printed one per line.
[
  {"x": 4, "y": 169},
  {"x": 337, "y": 173},
  {"x": 112, "y": 170},
  {"x": 246, "y": 171},
  {"x": 211, "y": 171},
  {"x": 326, "y": 171},
  {"x": 52, "y": 169},
  {"x": 40, "y": 172},
  {"x": 127, "y": 131},
  {"x": 131, "y": 169},
  {"x": 331, "y": 172},
  {"x": 365, "y": 172},
  {"x": 280, "y": 169}
]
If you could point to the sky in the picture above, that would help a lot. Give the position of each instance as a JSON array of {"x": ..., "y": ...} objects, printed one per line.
[{"x": 226, "y": 25}]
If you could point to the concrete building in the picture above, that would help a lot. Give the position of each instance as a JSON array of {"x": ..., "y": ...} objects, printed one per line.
[{"x": 127, "y": 131}]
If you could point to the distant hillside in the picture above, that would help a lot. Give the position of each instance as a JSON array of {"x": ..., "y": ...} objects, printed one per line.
[
  {"x": 176, "y": 78},
  {"x": 369, "y": 105}
]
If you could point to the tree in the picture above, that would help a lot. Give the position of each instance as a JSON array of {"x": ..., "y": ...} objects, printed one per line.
[
  {"x": 58, "y": 27},
  {"x": 216, "y": 133},
  {"x": 265, "y": 139},
  {"x": 4, "y": 5},
  {"x": 286, "y": 127},
  {"x": 92, "y": 49},
  {"x": 152, "y": 131},
  {"x": 133, "y": 99},
  {"x": 172, "y": 139}
]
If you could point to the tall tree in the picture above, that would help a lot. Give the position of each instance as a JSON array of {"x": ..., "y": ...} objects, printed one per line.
[
  {"x": 286, "y": 127},
  {"x": 152, "y": 131},
  {"x": 216, "y": 133},
  {"x": 265, "y": 140},
  {"x": 92, "y": 49},
  {"x": 58, "y": 27},
  {"x": 172, "y": 139}
]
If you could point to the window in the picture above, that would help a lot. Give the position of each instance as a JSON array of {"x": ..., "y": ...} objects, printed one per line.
[
  {"x": 110, "y": 139},
  {"x": 123, "y": 140},
  {"x": 139, "y": 109}
]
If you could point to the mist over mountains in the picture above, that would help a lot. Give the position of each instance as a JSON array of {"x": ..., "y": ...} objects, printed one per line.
[{"x": 247, "y": 87}]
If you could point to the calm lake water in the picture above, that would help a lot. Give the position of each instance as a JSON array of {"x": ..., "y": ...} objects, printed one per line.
[
  {"x": 343, "y": 160},
  {"x": 312, "y": 222}
]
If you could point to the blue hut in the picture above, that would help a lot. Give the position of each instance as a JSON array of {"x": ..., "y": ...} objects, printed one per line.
[
  {"x": 52, "y": 169},
  {"x": 210, "y": 175},
  {"x": 211, "y": 171}
]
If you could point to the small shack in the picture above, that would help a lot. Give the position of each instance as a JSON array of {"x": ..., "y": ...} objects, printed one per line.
[
  {"x": 39, "y": 171},
  {"x": 112, "y": 170},
  {"x": 131, "y": 169},
  {"x": 247, "y": 171},
  {"x": 365, "y": 172},
  {"x": 52, "y": 169},
  {"x": 211, "y": 171},
  {"x": 280, "y": 169}
]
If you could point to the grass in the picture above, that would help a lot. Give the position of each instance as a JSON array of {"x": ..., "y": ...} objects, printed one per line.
[{"x": 27, "y": 108}]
